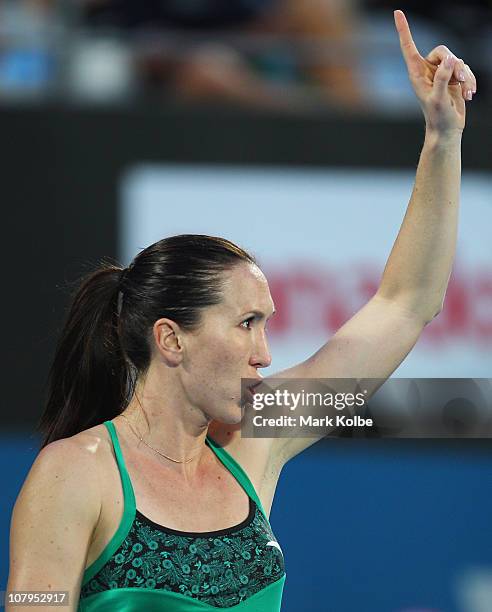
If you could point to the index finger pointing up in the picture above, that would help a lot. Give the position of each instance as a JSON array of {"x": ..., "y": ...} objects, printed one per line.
[{"x": 408, "y": 48}]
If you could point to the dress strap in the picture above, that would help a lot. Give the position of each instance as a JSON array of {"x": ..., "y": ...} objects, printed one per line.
[
  {"x": 128, "y": 494},
  {"x": 129, "y": 510},
  {"x": 237, "y": 471}
]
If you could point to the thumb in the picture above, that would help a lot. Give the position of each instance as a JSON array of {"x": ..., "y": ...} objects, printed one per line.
[{"x": 443, "y": 75}]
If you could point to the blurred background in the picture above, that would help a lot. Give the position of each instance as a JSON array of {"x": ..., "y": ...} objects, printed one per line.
[{"x": 288, "y": 126}]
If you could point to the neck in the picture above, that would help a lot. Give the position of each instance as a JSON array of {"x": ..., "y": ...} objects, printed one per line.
[{"x": 171, "y": 426}]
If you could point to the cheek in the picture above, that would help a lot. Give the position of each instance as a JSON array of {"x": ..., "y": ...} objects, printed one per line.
[
  {"x": 215, "y": 371},
  {"x": 228, "y": 356},
  {"x": 223, "y": 357}
]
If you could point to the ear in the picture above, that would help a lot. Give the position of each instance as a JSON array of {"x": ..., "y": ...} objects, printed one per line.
[{"x": 168, "y": 340}]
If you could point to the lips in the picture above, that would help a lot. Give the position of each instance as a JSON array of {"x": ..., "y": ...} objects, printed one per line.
[{"x": 253, "y": 386}]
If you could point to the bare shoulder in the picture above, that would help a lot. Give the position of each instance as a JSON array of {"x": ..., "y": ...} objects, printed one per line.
[
  {"x": 66, "y": 474},
  {"x": 63, "y": 483},
  {"x": 77, "y": 453},
  {"x": 92, "y": 441},
  {"x": 61, "y": 495},
  {"x": 67, "y": 465}
]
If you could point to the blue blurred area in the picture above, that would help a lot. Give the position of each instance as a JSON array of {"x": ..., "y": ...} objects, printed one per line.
[
  {"x": 379, "y": 526},
  {"x": 25, "y": 67},
  {"x": 17, "y": 453}
]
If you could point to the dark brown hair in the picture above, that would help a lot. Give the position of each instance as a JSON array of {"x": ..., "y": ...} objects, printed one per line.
[{"x": 105, "y": 343}]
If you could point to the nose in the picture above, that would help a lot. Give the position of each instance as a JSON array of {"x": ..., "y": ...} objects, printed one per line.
[{"x": 261, "y": 357}]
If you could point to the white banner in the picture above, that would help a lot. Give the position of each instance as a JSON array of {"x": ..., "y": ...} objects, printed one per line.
[{"x": 322, "y": 238}]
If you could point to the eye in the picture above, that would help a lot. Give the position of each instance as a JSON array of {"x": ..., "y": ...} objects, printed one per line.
[{"x": 248, "y": 320}]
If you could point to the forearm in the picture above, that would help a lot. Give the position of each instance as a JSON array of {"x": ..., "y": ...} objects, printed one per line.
[{"x": 419, "y": 266}]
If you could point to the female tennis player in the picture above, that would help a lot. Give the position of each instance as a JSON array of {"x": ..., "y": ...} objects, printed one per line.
[{"x": 144, "y": 495}]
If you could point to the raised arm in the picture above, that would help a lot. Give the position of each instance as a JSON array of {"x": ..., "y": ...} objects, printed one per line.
[
  {"x": 378, "y": 337},
  {"x": 53, "y": 521},
  {"x": 419, "y": 266}
]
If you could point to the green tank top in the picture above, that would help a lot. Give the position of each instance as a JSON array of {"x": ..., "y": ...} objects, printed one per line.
[{"x": 147, "y": 566}]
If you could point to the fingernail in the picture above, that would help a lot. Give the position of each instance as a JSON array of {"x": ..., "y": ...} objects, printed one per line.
[
  {"x": 449, "y": 61},
  {"x": 469, "y": 94},
  {"x": 461, "y": 76}
]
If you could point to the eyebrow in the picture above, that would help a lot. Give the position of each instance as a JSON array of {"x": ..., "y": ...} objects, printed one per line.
[{"x": 259, "y": 314}]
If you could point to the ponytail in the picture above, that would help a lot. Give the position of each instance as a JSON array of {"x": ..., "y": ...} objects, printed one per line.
[{"x": 88, "y": 379}]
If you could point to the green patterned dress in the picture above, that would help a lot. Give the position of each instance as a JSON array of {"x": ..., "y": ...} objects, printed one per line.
[{"x": 147, "y": 566}]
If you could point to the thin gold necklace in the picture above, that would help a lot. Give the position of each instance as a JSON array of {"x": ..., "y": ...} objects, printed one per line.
[{"x": 155, "y": 449}]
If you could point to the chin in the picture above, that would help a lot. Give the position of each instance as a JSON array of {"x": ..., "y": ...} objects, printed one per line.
[{"x": 231, "y": 415}]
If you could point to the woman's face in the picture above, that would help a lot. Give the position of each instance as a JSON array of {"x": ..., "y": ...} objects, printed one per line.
[{"x": 230, "y": 344}]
